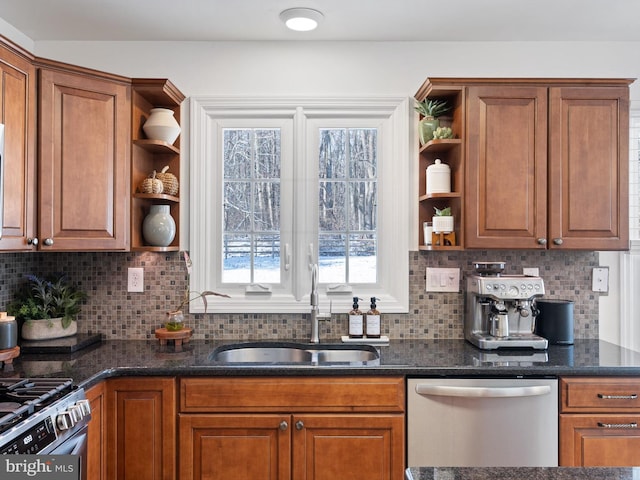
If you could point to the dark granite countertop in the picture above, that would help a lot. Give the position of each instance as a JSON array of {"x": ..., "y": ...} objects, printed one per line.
[
  {"x": 522, "y": 473},
  {"x": 400, "y": 357}
]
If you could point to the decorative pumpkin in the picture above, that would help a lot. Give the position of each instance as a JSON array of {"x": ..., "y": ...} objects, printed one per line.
[
  {"x": 151, "y": 184},
  {"x": 169, "y": 181}
]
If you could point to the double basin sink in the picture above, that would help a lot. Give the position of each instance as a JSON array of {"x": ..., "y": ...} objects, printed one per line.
[{"x": 287, "y": 353}]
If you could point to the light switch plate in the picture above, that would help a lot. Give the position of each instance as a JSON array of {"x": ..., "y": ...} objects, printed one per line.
[
  {"x": 600, "y": 279},
  {"x": 443, "y": 280}
]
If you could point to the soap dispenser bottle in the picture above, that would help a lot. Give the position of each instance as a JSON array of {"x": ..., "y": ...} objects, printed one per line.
[
  {"x": 356, "y": 324},
  {"x": 373, "y": 320}
]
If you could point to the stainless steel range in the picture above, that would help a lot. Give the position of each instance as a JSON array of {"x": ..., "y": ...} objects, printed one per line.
[
  {"x": 43, "y": 416},
  {"x": 500, "y": 310}
]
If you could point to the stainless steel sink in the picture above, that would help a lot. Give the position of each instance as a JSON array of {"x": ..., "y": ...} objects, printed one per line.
[{"x": 277, "y": 353}]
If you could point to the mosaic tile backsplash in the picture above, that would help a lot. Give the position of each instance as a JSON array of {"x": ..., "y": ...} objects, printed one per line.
[{"x": 118, "y": 314}]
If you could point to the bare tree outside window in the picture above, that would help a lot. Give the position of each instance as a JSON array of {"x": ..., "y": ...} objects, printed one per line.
[
  {"x": 347, "y": 203},
  {"x": 251, "y": 238}
]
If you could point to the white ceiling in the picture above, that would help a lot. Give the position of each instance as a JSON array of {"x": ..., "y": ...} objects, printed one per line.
[{"x": 358, "y": 20}]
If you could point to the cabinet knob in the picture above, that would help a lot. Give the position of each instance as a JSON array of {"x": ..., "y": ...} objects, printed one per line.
[
  {"x": 32, "y": 241},
  {"x": 284, "y": 425},
  {"x": 299, "y": 425},
  {"x": 48, "y": 242},
  {"x": 557, "y": 241},
  {"x": 542, "y": 241}
]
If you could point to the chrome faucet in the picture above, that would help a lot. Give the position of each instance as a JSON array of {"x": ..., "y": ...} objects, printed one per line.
[{"x": 316, "y": 316}]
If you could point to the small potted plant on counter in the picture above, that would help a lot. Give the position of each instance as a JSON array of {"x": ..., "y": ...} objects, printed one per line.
[
  {"x": 47, "y": 307},
  {"x": 430, "y": 111}
]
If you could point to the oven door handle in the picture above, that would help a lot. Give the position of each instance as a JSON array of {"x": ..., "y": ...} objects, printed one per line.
[{"x": 482, "y": 392}]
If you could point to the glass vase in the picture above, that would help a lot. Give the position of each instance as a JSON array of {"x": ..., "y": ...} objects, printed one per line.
[{"x": 175, "y": 321}]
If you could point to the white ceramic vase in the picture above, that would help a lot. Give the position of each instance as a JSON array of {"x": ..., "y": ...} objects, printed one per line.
[
  {"x": 159, "y": 227},
  {"x": 47, "y": 328},
  {"x": 161, "y": 125}
]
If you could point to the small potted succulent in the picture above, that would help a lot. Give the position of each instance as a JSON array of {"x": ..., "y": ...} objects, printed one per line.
[
  {"x": 430, "y": 111},
  {"x": 442, "y": 220}
]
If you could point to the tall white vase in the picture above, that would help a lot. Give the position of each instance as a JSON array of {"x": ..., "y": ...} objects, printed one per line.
[{"x": 161, "y": 125}]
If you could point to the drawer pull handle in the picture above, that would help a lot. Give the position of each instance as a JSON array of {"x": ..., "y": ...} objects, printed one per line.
[
  {"x": 633, "y": 396},
  {"x": 617, "y": 425}
]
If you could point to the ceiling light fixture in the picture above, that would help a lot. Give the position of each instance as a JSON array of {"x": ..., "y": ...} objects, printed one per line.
[{"x": 301, "y": 19}]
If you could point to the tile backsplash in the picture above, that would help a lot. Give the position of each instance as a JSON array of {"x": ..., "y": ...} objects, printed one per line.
[{"x": 118, "y": 314}]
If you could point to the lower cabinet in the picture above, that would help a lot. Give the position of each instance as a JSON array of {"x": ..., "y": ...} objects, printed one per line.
[
  {"x": 334, "y": 427},
  {"x": 97, "y": 434},
  {"x": 141, "y": 428},
  {"x": 599, "y": 422}
]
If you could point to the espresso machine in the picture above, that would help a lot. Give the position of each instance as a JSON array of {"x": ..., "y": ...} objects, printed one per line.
[{"x": 500, "y": 310}]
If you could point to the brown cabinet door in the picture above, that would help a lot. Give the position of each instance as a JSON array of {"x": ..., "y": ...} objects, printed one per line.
[
  {"x": 227, "y": 446},
  {"x": 141, "y": 431},
  {"x": 506, "y": 185},
  {"x": 84, "y": 162},
  {"x": 588, "y": 168},
  {"x": 18, "y": 114},
  {"x": 599, "y": 440},
  {"x": 97, "y": 434},
  {"x": 348, "y": 447}
]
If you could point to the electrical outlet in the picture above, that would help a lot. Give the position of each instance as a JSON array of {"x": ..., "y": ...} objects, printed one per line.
[
  {"x": 135, "y": 280},
  {"x": 600, "y": 279},
  {"x": 531, "y": 272},
  {"x": 443, "y": 280}
]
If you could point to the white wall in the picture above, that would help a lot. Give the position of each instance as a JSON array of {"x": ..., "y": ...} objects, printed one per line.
[
  {"x": 341, "y": 68},
  {"x": 351, "y": 68}
]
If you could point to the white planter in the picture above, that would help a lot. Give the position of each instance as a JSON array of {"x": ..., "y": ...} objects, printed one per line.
[
  {"x": 47, "y": 328},
  {"x": 442, "y": 224}
]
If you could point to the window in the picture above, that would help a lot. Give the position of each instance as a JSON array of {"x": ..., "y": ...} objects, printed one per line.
[
  {"x": 630, "y": 261},
  {"x": 280, "y": 185}
]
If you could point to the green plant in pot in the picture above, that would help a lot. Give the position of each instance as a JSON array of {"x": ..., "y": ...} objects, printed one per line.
[
  {"x": 430, "y": 111},
  {"x": 442, "y": 221},
  {"x": 47, "y": 307}
]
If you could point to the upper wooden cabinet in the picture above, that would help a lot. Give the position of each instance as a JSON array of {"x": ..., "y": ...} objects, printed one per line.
[
  {"x": 545, "y": 162},
  {"x": 506, "y": 176},
  {"x": 84, "y": 158},
  {"x": 18, "y": 114},
  {"x": 589, "y": 167}
]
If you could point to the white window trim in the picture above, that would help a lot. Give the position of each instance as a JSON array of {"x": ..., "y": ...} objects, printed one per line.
[
  {"x": 394, "y": 199},
  {"x": 629, "y": 265}
]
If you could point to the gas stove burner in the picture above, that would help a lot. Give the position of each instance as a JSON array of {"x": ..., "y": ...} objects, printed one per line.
[{"x": 8, "y": 407}]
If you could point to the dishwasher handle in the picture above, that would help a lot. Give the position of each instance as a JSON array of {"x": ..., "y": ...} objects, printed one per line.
[{"x": 482, "y": 392}]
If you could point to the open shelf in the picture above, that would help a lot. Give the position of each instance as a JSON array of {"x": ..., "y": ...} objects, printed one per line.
[{"x": 149, "y": 155}]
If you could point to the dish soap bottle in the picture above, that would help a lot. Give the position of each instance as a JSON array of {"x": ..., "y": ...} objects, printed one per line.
[
  {"x": 356, "y": 324},
  {"x": 373, "y": 320}
]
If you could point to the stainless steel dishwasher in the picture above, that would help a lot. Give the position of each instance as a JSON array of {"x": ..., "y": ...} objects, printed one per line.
[{"x": 482, "y": 422}]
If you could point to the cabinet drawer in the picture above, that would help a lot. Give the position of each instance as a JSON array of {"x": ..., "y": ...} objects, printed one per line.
[
  {"x": 601, "y": 440},
  {"x": 598, "y": 394},
  {"x": 292, "y": 394}
]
